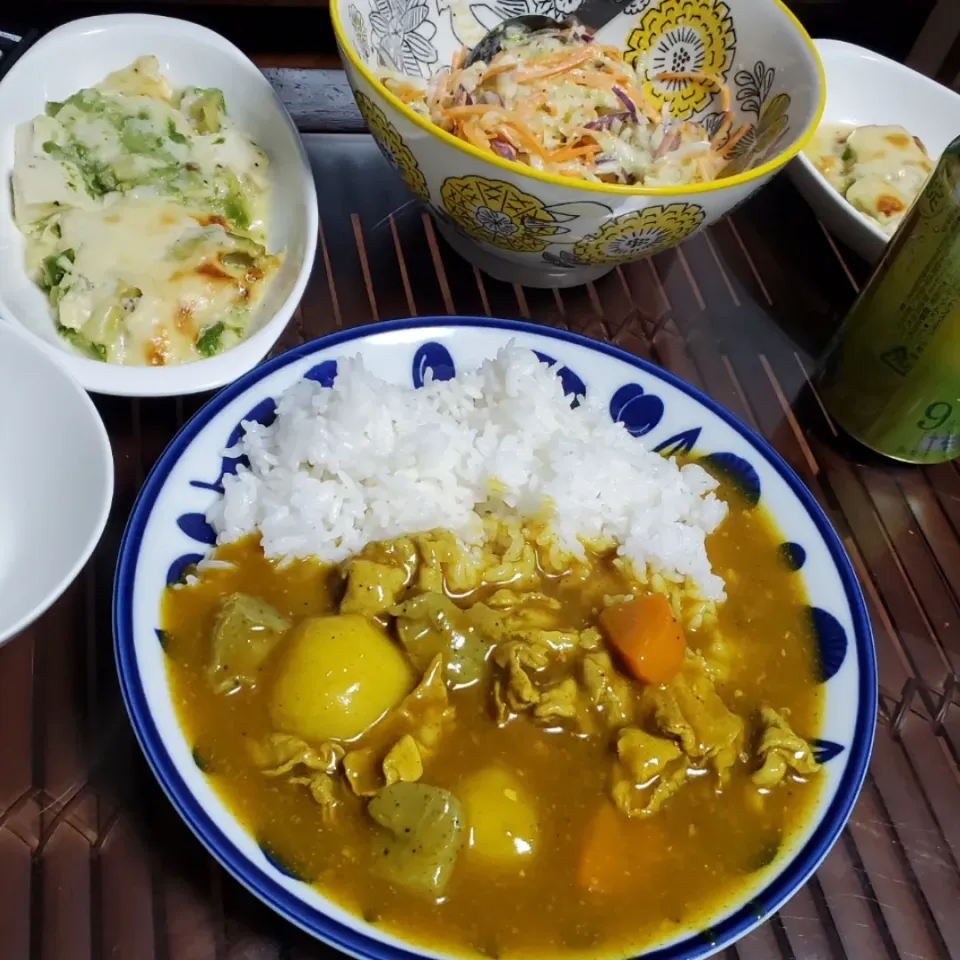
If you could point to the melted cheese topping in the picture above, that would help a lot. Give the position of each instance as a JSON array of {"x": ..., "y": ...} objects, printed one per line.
[
  {"x": 880, "y": 170},
  {"x": 145, "y": 216}
]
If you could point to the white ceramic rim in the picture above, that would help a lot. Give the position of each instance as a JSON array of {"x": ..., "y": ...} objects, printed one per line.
[{"x": 105, "y": 452}]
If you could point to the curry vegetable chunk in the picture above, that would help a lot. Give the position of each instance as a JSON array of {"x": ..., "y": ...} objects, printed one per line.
[
  {"x": 500, "y": 816},
  {"x": 338, "y": 677},
  {"x": 499, "y": 750},
  {"x": 244, "y": 634},
  {"x": 426, "y": 831}
]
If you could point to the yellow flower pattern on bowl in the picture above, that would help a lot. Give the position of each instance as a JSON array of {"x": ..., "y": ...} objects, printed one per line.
[
  {"x": 640, "y": 233},
  {"x": 682, "y": 36},
  {"x": 496, "y": 212},
  {"x": 392, "y": 146}
]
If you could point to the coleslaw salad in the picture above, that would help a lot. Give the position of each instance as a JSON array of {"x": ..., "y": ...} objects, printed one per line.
[
  {"x": 558, "y": 101},
  {"x": 357, "y": 64}
]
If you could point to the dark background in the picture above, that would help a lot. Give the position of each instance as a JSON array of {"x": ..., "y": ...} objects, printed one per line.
[{"x": 298, "y": 31}]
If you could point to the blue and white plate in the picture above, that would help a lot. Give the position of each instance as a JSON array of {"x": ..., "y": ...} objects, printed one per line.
[{"x": 166, "y": 532}]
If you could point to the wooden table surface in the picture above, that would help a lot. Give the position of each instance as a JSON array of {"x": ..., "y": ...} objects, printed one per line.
[{"x": 94, "y": 862}]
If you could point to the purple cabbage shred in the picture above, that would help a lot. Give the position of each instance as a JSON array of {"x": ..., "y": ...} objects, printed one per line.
[
  {"x": 604, "y": 122},
  {"x": 627, "y": 102},
  {"x": 503, "y": 148}
]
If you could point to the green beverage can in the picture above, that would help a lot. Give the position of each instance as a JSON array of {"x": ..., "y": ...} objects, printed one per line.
[{"x": 891, "y": 376}]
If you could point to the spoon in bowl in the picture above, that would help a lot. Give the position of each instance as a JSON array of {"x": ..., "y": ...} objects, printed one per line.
[{"x": 592, "y": 14}]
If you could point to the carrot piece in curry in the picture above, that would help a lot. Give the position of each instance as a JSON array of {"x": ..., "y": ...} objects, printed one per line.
[
  {"x": 647, "y": 636},
  {"x": 605, "y": 863}
]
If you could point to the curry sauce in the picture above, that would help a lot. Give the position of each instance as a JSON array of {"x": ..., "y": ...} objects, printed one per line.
[{"x": 688, "y": 859}]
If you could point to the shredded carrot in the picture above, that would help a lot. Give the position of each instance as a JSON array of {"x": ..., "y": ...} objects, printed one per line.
[
  {"x": 599, "y": 81},
  {"x": 612, "y": 52},
  {"x": 530, "y": 117},
  {"x": 475, "y": 135},
  {"x": 528, "y": 141},
  {"x": 568, "y": 153},
  {"x": 735, "y": 138},
  {"x": 579, "y": 57},
  {"x": 406, "y": 94},
  {"x": 495, "y": 71},
  {"x": 723, "y": 131},
  {"x": 471, "y": 109}
]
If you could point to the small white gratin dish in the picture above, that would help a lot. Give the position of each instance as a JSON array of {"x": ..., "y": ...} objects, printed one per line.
[
  {"x": 866, "y": 88},
  {"x": 80, "y": 54}
]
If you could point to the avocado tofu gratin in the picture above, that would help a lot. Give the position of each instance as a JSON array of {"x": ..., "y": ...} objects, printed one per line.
[
  {"x": 486, "y": 736},
  {"x": 144, "y": 209}
]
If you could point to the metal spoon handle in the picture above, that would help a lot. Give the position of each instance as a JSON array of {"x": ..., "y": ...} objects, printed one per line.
[{"x": 598, "y": 13}]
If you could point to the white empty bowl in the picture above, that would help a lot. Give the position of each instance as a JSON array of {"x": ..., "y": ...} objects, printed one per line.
[
  {"x": 866, "y": 88},
  {"x": 81, "y": 54},
  {"x": 56, "y": 481}
]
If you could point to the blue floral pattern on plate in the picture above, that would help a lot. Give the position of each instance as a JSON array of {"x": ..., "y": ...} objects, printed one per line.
[
  {"x": 178, "y": 569},
  {"x": 323, "y": 373},
  {"x": 825, "y": 750},
  {"x": 831, "y": 642},
  {"x": 793, "y": 555},
  {"x": 679, "y": 444},
  {"x": 737, "y": 471},
  {"x": 638, "y": 411},
  {"x": 195, "y": 526},
  {"x": 263, "y": 413},
  {"x": 573, "y": 386},
  {"x": 433, "y": 358}
]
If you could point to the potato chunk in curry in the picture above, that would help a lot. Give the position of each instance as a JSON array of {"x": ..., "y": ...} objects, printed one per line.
[
  {"x": 500, "y": 816},
  {"x": 338, "y": 676}
]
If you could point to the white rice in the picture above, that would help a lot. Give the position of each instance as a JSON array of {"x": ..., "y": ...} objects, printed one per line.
[{"x": 366, "y": 460}]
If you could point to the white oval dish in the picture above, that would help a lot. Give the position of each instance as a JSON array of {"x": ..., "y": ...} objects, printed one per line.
[
  {"x": 167, "y": 532},
  {"x": 866, "y": 88},
  {"x": 56, "y": 483},
  {"x": 82, "y": 53}
]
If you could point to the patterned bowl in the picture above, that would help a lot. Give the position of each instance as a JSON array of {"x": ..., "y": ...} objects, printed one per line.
[
  {"x": 167, "y": 532},
  {"x": 540, "y": 229}
]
